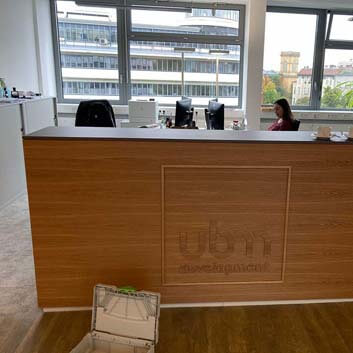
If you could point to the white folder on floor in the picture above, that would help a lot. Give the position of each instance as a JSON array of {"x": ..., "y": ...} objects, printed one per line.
[{"x": 122, "y": 322}]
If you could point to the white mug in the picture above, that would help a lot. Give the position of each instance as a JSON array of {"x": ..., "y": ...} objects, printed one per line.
[
  {"x": 323, "y": 131},
  {"x": 350, "y": 133}
]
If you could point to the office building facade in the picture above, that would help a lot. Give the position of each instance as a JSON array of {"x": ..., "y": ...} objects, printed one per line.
[{"x": 166, "y": 70}]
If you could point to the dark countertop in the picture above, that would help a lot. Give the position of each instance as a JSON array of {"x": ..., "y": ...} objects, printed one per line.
[{"x": 176, "y": 135}]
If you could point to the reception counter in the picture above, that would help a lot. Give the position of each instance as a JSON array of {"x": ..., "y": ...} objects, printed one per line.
[{"x": 197, "y": 215}]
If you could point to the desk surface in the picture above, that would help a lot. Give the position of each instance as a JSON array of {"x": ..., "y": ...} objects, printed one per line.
[
  {"x": 5, "y": 102},
  {"x": 176, "y": 135}
]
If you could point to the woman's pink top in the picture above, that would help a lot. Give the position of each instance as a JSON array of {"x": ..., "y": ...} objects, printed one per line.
[{"x": 284, "y": 125}]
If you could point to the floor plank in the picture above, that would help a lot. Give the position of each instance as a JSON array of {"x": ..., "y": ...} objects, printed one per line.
[{"x": 311, "y": 328}]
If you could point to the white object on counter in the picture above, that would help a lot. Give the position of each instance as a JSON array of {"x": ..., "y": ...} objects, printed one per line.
[{"x": 143, "y": 112}]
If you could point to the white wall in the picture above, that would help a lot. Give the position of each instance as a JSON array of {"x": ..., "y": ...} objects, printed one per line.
[
  {"x": 44, "y": 39},
  {"x": 253, "y": 61},
  {"x": 26, "y": 48},
  {"x": 18, "y": 63}
]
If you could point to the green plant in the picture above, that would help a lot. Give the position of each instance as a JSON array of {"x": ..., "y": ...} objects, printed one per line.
[
  {"x": 348, "y": 95},
  {"x": 303, "y": 101},
  {"x": 333, "y": 98}
]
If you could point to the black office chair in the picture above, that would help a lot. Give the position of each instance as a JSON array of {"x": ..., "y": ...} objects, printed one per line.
[
  {"x": 184, "y": 112},
  {"x": 97, "y": 113},
  {"x": 214, "y": 115},
  {"x": 296, "y": 124}
]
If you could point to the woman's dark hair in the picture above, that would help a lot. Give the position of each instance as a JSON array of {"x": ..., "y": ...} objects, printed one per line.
[{"x": 287, "y": 112}]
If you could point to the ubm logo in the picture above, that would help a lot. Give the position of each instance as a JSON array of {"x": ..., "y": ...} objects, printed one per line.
[{"x": 223, "y": 244}]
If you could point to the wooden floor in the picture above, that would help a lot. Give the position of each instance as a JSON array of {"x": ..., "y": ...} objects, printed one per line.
[{"x": 312, "y": 328}]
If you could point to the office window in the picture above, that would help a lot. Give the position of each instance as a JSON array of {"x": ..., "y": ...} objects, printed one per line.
[
  {"x": 85, "y": 48},
  {"x": 342, "y": 27},
  {"x": 220, "y": 23},
  {"x": 172, "y": 51},
  {"x": 191, "y": 66},
  {"x": 337, "y": 86},
  {"x": 337, "y": 89},
  {"x": 289, "y": 57}
]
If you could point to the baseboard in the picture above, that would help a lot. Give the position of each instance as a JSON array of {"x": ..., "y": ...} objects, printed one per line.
[
  {"x": 257, "y": 303},
  {"x": 220, "y": 304},
  {"x": 68, "y": 308},
  {"x": 13, "y": 199}
]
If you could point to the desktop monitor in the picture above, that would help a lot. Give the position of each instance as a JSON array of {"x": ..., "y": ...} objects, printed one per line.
[
  {"x": 183, "y": 113},
  {"x": 216, "y": 115}
]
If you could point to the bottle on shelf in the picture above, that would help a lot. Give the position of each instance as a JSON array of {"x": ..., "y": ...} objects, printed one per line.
[
  {"x": 2, "y": 87},
  {"x": 236, "y": 125},
  {"x": 14, "y": 93}
]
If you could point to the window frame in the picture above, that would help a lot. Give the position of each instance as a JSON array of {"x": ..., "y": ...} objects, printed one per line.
[
  {"x": 126, "y": 35},
  {"x": 318, "y": 57},
  {"x": 322, "y": 42},
  {"x": 334, "y": 44},
  {"x": 57, "y": 54}
]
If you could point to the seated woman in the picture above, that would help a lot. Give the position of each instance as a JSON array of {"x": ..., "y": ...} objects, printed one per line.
[{"x": 285, "y": 119}]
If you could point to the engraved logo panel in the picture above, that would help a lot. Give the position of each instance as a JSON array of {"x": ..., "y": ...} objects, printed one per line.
[{"x": 224, "y": 224}]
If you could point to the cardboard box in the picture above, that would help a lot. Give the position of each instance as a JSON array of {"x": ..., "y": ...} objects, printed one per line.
[{"x": 122, "y": 322}]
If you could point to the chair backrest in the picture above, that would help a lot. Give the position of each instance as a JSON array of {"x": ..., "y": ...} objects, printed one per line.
[
  {"x": 215, "y": 116},
  {"x": 296, "y": 124},
  {"x": 97, "y": 113},
  {"x": 183, "y": 112}
]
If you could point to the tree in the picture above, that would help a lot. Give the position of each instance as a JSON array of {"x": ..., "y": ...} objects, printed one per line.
[
  {"x": 348, "y": 95},
  {"x": 333, "y": 98},
  {"x": 276, "y": 79},
  {"x": 270, "y": 94},
  {"x": 303, "y": 101}
]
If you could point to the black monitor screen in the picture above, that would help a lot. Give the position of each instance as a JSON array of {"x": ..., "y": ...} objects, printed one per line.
[
  {"x": 216, "y": 118},
  {"x": 182, "y": 112}
]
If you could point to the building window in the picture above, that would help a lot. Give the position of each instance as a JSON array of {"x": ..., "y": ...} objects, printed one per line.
[{"x": 171, "y": 52}]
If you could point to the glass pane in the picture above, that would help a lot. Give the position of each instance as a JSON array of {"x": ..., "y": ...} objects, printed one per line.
[
  {"x": 192, "y": 21},
  {"x": 342, "y": 27},
  {"x": 88, "y": 51},
  {"x": 201, "y": 62},
  {"x": 337, "y": 85},
  {"x": 288, "y": 57}
]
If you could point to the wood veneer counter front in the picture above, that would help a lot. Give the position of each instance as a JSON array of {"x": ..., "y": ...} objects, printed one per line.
[{"x": 197, "y": 222}]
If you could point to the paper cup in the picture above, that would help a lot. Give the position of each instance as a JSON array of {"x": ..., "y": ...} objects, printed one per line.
[{"x": 324, "y": 131}]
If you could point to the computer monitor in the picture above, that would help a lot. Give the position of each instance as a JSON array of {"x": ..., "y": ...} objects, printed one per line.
[
  {"x": 183, "y": 113},
  {"x": 216, "y": 115}
]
